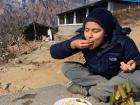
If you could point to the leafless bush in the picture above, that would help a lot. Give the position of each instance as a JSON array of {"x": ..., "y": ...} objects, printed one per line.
[{"x": 13, "y": 21}]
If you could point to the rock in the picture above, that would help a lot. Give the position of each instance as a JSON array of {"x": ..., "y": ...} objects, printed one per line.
[
  {"x": 15, "y": 88},
  {"x": 25, "y": 88},
  {"x": 5, "y": 86},
  {"x": 20, "y": 61},
  {"x": 3, "y": 92},
  {"x": 3, "y": 69}
]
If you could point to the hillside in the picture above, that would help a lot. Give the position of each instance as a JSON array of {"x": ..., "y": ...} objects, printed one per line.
[{"x": 37, "y": 69}]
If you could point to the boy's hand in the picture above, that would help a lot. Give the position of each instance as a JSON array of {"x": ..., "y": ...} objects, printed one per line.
[
  {"x": 130, "y": 66},
  {"x": 80, "y": 44}
]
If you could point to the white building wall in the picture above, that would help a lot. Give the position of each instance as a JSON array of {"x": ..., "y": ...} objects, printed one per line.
[{"x": 110, "y": 6}]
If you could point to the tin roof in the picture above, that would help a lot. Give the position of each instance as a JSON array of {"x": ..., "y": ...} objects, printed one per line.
[
  {"x": 95, "y": 4},
  {"x": 132, "y": 0}
]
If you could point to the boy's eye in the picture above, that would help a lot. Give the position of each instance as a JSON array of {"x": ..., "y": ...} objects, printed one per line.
[
  {"x": 95, "y": 30},
  {"x": 86, "y": 30}
]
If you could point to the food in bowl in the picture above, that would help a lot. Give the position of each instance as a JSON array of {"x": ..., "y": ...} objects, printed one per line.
[
  {"x": 72, "y": 101},
  {"x": 75, "y": 102}
]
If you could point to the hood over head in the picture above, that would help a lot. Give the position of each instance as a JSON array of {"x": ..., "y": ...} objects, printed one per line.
[{"x": 103, "y": 17}]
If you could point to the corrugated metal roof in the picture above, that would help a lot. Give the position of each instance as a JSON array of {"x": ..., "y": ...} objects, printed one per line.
[
  {"x": 100, "y": 3},
  {"x": 132, "y": 0}
]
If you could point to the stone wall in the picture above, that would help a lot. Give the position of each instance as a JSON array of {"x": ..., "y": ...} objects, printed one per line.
[{"x": 68, "y": 30}]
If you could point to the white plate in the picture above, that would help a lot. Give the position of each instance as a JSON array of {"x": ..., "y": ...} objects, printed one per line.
[{"x": 64, "y": 100}]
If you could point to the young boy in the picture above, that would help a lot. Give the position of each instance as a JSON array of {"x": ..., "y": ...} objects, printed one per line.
[{"x": 110, "y": 57}]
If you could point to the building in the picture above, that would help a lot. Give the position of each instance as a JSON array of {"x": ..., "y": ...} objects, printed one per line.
[
  {"x": 35, "y": 31},
  {"x": 70, "y": 21},
  {"x": 122, "y": 4}
]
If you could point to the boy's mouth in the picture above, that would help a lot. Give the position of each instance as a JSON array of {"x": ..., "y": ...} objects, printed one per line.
[
  {"x": 94, "y": 45},
  {"x": 91, "y": 46}
]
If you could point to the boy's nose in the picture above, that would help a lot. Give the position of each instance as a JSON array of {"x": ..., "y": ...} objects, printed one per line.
[{"x": 90, "y": 35}]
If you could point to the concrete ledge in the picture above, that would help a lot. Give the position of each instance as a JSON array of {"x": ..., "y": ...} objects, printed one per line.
[{"x": 43, "y": 96}]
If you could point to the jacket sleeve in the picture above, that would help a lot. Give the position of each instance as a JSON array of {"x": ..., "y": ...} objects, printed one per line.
[
  {"x": 62, "y": 50},
  {"x": 131, "y": 52}
]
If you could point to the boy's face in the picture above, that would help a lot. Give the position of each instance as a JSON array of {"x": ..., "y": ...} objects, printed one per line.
[{"x": 94, "y": 33}]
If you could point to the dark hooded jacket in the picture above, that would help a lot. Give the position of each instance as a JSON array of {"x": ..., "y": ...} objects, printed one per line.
[{"x": 104, "y": 60}]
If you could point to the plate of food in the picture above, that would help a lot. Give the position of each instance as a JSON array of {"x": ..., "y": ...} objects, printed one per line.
[{"x": 72, "y": 101}]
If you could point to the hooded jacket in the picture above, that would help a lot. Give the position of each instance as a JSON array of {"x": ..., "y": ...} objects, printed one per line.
[{"x": 104, "y": 60}]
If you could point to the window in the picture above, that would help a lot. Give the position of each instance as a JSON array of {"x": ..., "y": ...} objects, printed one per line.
[
  {"x": 80, "y": 15},
  {"x": 69, "y": 18},
  {"x": 61, "y": 19}
]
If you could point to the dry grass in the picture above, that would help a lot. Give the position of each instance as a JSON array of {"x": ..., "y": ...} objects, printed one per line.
[{"x": 24, "y": 47}]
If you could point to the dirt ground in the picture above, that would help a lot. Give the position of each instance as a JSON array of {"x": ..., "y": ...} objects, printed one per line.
[{"x": 37, "y": 69}]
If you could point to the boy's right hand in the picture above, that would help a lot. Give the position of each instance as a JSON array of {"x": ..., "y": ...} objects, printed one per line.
[
  {"x": 130, "y": 66},
  {"x": 80, "y": 44}
]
